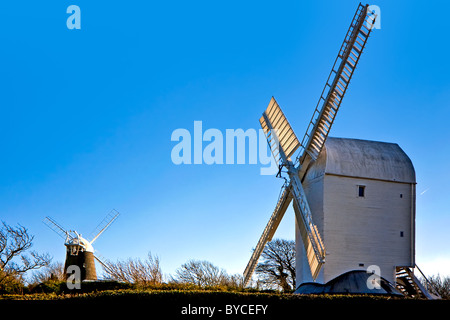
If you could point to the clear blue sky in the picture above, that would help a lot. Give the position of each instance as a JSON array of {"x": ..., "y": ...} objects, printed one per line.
[{"x": 87, "y": 116}]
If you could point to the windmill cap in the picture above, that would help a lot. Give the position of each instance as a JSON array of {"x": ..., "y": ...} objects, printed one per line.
[{"x": 363, "y": 159}]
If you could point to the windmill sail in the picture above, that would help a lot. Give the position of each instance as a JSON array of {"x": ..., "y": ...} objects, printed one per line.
[
  {"x": 281, "y": 138},
  {"x": 104, "y": 224},
  {"x": 336, "y": 85},
  {"x": 269, "y": 231},
  {"x": 52, "y": 224},
  {"x": 312, "y": 241},
  {"x": 283, "y": 143},
  {"x": 102, "y": 260}
]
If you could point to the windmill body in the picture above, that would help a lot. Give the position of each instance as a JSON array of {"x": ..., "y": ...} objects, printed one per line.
[
  {"x": 362, "y": 198},
  {"x": 80, "y": 251},
  {"x": 354, "y": 200}
]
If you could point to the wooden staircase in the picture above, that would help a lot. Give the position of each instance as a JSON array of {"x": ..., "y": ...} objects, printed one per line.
[{"x": 408, "y": 284}]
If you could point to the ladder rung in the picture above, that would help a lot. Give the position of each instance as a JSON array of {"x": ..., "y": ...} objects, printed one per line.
[
  {"x": 329, "y": 107},
  {"x": 350, "y": 64},
  {"x": 324, "y": 122},
  {"x": 370, "y": 19},
  {"x": 348, "y": 76},
  {"x": 344, "y": 84},
  {"x": 354, "y": 60},
  {"x": 327, "y": 115},
  {"x": 325, "y": 126},
  {"x": 359, "y": 43},
  {"x": 317, "y": 142},
  {"x": 332, "y": 102},
  {"x": 355, "y": 55},
  {"x": 357, "y": 49},
  {"x": 320, "y": 138},
  {"x": 345, "y": 79},
  {"x": 331, "y": 111},
  {"x": 335, "y": 97},
  {"x": 364, "y": 33},
  {"x": 315, "y": 148},
  {"x": 332, "y": 107},
  {"x": 365, "y": 26},
  {"x": 349, "y": 67},
  {"x": 338, "y": 93}
]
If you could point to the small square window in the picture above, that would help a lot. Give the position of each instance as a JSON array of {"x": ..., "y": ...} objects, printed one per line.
[
  {"x": 401, "y": 234},
  {"x": 361, "y": 191}
]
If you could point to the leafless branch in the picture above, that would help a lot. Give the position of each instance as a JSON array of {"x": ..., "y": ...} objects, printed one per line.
[
  {"x": 14, "y": 242},
  {"x": 135, "y": 270}
]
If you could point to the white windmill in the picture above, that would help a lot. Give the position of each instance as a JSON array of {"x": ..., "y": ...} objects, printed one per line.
[
  {"x": 79, "y": 251},
  {"x": 354, "y": 200}
]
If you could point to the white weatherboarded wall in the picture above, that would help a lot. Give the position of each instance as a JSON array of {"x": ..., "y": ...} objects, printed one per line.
[{"x": 359, "y": 231}]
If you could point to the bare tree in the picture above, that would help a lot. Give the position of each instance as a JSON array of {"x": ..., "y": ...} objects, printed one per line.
[
  {"x": 54, "y": 271},
  {"x": 235, "y": 281},
  {"x": 135, "y": 270},
  {"x": 201, "y": 273},
  {"x": 14, "y": 242},
  {"x": 277, "y": 269},
  {"x": 438, "y": 284}
]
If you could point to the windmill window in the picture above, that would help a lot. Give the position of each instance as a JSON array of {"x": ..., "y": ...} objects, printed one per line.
[
  {"x": 361, "y": 191},
  {"x": 401, "y": 234}
]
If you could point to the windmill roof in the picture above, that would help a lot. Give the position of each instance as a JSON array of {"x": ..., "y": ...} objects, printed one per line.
[{"x": 363, "y": 159}]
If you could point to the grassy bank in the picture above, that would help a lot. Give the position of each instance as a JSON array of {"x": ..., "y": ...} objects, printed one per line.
[{"x": 193, "y": 304}]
